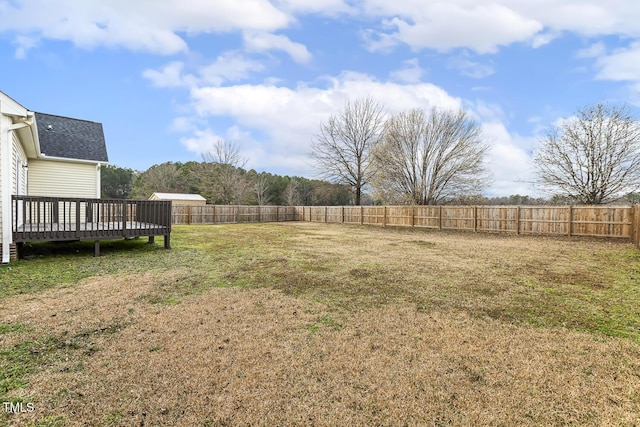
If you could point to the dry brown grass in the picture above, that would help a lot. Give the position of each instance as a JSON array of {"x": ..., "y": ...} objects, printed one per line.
[{"x": 337, "y": 335}]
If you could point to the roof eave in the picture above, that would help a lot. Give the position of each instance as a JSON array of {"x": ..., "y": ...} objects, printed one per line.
[{"x": 43, "y": 156}]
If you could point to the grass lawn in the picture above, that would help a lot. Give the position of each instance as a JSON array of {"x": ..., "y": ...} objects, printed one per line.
[{"x": 315, "y": 324}]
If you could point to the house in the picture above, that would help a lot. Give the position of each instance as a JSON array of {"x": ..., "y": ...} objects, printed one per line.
[
  {"x": 50, "y": 183},
  {"x": 45, "y": 155},
  {"x": 180, "y": 199}
]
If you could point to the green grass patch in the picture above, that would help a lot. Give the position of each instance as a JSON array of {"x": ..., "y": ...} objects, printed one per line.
[
  {"x": 50, "y": 421},
  {"x": 12, "y": 328}
]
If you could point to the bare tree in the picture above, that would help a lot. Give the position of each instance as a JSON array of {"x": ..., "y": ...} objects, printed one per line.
[
  {"x": 341, "y": 150},
  {"x": 429, "y": 158},
  {"x": 291, "y": 193},
  {"x": 261, "y": 189},
  {"x": 221, "y": 173},
  {"x": 225, "y": 153},
  {"x": 592, "y": 158}
]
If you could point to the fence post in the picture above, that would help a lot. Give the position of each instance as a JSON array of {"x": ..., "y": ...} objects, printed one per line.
[
  {"x": 413, "y": 215},
  {"x": 517, "y": 219},
  {"x": 569, "y": 231},
  {"x": 342, "y": 214},
  {"x": 361, "y": 214},
  {"x": 440, "y": 217},
  {"x": 475, "y": 219},
  {"x": 384, "y": 216},
  {"x": 325, "y": 214},
  {"x": 635, "y": 225}
]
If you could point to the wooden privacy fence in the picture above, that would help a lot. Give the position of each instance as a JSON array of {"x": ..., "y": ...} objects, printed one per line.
[
  {"x": 594, "y": 221},
  {"x": 227, "y": 214}
]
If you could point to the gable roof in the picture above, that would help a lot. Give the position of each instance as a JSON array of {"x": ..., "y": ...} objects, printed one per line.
[
  {"x": 178, "y": 196},
  {"x": 71, "y": 138}
]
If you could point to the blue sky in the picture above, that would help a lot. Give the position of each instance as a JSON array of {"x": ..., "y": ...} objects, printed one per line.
[{"x": 167, "y": 78}]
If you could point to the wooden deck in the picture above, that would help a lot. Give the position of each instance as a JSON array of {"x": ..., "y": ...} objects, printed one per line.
[{"x": 58, "y": 219}]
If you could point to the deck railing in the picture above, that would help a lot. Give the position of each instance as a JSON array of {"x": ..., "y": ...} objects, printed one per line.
[{"x": 61, "y": 218}]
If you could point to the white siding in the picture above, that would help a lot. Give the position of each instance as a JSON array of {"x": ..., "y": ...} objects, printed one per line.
[
  {"x": 18, "y": 173},
  {"x": 62, "y": 179}
]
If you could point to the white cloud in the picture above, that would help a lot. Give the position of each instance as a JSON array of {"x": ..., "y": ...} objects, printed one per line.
[
  {"x": 324, "y": 7},
  {"x": 480, "y": 26},
  {"x": 261, "y": 42},
  {"x": 542, "y": 39},
  {"x": 411, "y": 72},
  {"x": 510, "y": 161},
  {"x": 470, "y": 68},
  {"x": 201, "y": 141},
  {"x": 621, "y": 65},
  {"x": 142, "y": 25},
  {"x": 594, "y": 51},
  {"x": 229, "y": 67},
  {"x": 485, "y": 25},
  {"x": 23, "y": 45},
  {"x": 168, "y": 76},
  {"x": 183, "y": 124}
]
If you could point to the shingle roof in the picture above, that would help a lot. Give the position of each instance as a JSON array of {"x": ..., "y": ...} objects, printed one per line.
[{"x": 71, "y": 138}]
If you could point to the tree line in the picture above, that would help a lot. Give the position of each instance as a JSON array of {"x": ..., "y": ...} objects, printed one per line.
[{"x": 221, "y": 184}]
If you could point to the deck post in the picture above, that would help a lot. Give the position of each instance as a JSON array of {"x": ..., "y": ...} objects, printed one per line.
[
  {"x": 167, "y": 241},
  {"x": 152, "y": 239},
  {"x": 96, "y": 248},
  {"x": 78, "y": 219},
  {"x": 125, "y": 215}
]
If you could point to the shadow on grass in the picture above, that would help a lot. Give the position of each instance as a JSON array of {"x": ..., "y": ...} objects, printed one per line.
[{"x": 84, "y": 248}]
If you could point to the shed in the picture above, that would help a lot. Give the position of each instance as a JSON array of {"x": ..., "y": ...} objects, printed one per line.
[{"x": 180, "y": 198}]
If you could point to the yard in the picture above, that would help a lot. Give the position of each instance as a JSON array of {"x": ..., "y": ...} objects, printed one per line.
[{"x": 315, "y": 324}]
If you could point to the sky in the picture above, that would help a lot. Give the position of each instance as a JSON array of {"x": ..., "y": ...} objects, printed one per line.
[{"x": 168, "y": 78}]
